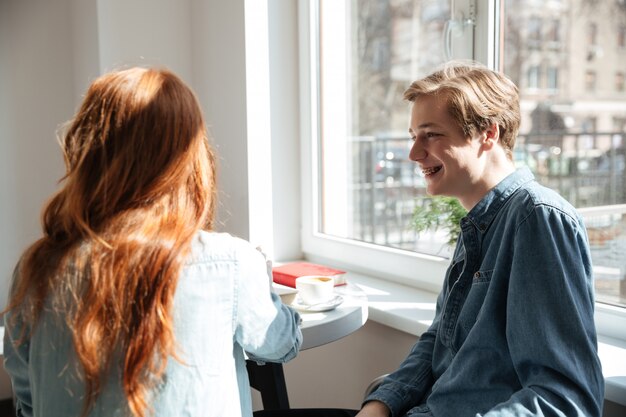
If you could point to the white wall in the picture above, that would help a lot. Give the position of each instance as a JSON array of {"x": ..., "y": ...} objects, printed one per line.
[
  {"x": 35, "y": 97},
  {"x": 36, "y": 87},
  {"x": 337, "y": 374},
  {"x": 219, "y": 80},
  {"x": 145, "y": 33}
]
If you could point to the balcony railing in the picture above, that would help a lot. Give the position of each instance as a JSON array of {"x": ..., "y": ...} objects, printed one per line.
[{"x": 588, "y": 169}]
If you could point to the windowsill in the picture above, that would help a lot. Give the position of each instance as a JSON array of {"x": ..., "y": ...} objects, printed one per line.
[{"x": 411, "y": 310}]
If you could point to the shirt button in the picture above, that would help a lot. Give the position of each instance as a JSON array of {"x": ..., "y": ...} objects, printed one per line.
[
  {"x": 482, "y": 227},
  {"x": 476, "y": 274}
]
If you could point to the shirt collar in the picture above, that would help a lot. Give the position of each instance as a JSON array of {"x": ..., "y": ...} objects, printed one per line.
[{"x": 484, "y": 212}]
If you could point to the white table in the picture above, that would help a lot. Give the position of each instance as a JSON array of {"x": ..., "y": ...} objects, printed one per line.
[{"x": 324, "y": 327}]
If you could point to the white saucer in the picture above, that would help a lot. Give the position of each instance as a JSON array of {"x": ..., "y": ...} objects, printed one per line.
[{"x": 327, "y": 306}]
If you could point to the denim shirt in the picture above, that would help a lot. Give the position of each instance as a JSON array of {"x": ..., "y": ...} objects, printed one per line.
[
  {"x": 223, "y": 306},
  {"x": 513, "y": 333}
]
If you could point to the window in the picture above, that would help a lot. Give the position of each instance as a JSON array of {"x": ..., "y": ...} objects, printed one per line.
[
  {"x": 553, "y": 78},
  {"x": 572, "y": 145},
  {"x": 533, "y": 77},
  {"x": 534, "y": 32},
  {"x": 590, "y": 81},
  {"x": 369, "y": 186},
  {"x": 553, "y": 34},
  {"x": 364, "y": 189},
  {"x": 619, "y": 81},
  {"x": 592, "y": 34}
]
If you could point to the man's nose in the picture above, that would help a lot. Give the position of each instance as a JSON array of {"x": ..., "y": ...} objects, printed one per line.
[{"x": 417, "y": 152}]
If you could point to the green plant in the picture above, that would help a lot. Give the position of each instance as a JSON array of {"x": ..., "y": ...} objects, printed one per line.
[{"x": 438, "y": 212}]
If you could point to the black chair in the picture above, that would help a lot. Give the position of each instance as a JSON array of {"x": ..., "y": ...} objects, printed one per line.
[{"x": 269, "y": 379}]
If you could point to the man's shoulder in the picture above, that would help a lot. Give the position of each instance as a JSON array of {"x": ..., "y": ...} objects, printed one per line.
[{"x": 533, "y": 196}]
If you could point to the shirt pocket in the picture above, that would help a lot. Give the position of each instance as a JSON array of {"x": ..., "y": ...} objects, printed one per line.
[{"x": 473, "y": 304}]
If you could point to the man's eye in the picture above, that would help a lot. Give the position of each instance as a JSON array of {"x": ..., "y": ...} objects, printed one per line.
[{"x": 432, "y": 134}]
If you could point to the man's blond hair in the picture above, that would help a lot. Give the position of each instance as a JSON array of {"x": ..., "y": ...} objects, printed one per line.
[{"x": 477, "y": 97}]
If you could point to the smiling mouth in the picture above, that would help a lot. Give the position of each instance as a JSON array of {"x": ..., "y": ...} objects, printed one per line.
[{"x": 430, "y": 171}]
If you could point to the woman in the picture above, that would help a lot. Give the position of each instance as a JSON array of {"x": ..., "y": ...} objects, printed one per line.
[{"x": 128, "y": 304}]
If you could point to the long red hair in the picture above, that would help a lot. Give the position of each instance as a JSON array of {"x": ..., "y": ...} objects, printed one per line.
[{"x": 139, "y": 184}]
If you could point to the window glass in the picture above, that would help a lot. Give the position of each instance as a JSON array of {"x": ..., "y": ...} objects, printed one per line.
[
  {"x": 590, "y": 81},
  {"x": 534, "y": 31},
  {"x": 563, "y": 57},
  {"x": 554, "y": 34},
  {"x": 592, "y": 33},
  {"x": 572, "y": 136},
  {"x": 553, "y": 78},
  {"x": 370, "y": 51},
  {"x": 534, "y": 74}
]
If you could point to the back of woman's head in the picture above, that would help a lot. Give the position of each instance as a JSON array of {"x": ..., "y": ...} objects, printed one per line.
[
  {"x": 137, "y": 142},
  {"x": 477, "y": 97},
  {"x": 139, "y": 184}
]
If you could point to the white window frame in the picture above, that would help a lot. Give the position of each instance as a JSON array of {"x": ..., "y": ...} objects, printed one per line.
[{"x": 413, "y": 269}]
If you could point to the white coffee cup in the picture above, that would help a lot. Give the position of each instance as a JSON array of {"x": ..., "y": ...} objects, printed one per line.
[{"x": 315, "y": 289}]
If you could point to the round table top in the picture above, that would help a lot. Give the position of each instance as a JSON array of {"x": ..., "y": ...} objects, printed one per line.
[{"x": 319, "y": 328}]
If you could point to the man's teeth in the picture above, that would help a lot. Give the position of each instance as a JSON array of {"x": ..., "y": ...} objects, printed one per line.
[{"x": 432, "y": 170}]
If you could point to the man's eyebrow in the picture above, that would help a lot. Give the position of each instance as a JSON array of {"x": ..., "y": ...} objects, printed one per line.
[{"x": 424, "y": 126}]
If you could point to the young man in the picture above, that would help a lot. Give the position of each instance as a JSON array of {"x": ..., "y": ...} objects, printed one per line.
[{"x": 513, "y": 333}]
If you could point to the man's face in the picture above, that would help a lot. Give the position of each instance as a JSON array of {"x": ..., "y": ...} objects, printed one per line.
[{"x": 451, "y": 163}]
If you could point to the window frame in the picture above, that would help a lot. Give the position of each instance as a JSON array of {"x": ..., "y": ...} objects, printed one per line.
[{"x": 382, "y": 262}]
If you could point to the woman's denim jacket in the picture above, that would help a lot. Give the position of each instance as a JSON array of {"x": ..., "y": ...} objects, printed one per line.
[
  {"x": 513, "y": 333},
  {"x": 222, "y": 308}
]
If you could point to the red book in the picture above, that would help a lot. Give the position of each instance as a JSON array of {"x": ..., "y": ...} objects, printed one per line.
[{"x": 287, "y": 274}]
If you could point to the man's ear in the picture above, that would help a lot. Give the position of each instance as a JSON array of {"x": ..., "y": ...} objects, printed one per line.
[{"x": 491, "y": 136}]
